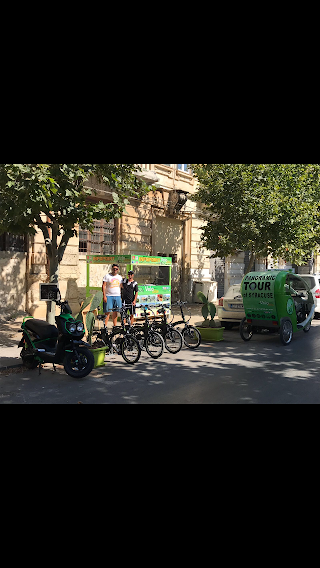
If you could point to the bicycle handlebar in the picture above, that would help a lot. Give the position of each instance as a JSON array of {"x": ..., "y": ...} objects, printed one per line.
[{"x": 145, "y": 309}]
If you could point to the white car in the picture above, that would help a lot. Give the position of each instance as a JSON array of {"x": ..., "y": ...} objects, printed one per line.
[
  {"x": 313, "y": 281},
  {"x": 230, "y": 310}
]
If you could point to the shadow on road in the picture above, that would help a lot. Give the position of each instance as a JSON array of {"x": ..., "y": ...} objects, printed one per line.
[{"x": 262, "y": 371}]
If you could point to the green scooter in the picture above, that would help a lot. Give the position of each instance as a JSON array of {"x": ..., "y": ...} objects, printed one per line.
[{"x": 62, "y": 344}]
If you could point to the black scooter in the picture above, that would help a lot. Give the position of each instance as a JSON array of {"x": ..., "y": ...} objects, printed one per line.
[{"x": 45, "y": 343}]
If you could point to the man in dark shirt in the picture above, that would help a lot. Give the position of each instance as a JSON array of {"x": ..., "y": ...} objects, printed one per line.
[{"x": 129, "y": 293}]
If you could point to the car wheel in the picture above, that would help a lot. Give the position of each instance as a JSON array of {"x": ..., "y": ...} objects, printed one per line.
[{"x": 227, "y": 324}]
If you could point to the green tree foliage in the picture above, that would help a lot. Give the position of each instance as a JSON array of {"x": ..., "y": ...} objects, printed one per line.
[
  {"x": 28, "y": 192},
  {"x": 268, "y": 209}
]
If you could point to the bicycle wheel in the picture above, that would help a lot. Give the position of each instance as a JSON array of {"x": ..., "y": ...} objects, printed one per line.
[
  {"x": 154, "y": 344},
  {"x": 173, "y": 340},
  {"x": 130, "y": 350},
  {"x": 191, "y": 337},
  {"x": 116, "y": 339}
]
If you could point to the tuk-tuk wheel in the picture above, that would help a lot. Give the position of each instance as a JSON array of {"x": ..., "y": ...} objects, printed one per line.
[
  {"x": 245, "y": 330},
  {"x": 307, "y": 328},
  {"x": 286, "y": 331}
]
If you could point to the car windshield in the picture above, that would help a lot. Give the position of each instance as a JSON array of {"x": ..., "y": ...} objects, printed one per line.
[{"x": 310, "y": 280}]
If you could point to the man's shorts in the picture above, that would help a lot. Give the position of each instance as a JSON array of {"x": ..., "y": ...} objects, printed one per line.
[
  {"x": 113, "y": 304},
  {"x": 131, "y": 310}
]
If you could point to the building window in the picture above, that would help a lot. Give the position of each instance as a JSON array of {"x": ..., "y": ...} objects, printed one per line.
[
  {"x": 100, "y": 241},
  {"x": 13, "y": 243},
  {"x": 182, "y": 167}
]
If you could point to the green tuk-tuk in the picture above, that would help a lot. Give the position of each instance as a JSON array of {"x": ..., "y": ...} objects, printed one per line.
[{"x": 275, "y": 301}]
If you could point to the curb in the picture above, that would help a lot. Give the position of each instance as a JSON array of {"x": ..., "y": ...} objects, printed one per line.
[{"x": 16, "y": 366}]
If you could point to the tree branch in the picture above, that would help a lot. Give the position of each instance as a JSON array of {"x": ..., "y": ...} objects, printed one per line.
[
  {"x": 251, "y": 261},
  {"x": 44, "y": 228},
  {"x": 39, "y": 222},
  {"x": 50, "y": 217}
]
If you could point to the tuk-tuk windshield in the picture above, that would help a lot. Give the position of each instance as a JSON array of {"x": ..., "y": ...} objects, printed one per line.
[{"x": 295, "y": 285}]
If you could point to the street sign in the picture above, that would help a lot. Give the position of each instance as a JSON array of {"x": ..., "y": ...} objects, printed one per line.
[{"x": 48, "y": 292}]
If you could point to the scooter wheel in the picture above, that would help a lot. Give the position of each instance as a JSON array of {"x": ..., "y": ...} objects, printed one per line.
[
  {"x": 79, "y": 368},
  {"x": 28, "y": 359}
]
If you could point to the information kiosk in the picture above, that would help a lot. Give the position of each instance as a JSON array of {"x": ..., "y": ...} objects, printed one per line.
[{"x": 153, "y": 274}]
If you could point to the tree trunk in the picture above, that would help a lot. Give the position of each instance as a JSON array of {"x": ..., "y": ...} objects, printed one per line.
[
  {"x": 53, "y": 275},
  {"x": 251, "y": 261}
]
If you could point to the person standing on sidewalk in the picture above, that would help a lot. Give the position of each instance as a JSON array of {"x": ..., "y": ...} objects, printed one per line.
[
  {"x": 111, "y": 288},
  {"x": 130, "y": 293}
]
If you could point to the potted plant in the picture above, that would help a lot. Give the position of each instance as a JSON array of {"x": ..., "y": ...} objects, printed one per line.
[
  {"x": 210, "y": 330},
  {"x": 94, "y": 303}
]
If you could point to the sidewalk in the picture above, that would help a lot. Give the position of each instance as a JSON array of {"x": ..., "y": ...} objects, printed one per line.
[{"x": 10, "y": 335}]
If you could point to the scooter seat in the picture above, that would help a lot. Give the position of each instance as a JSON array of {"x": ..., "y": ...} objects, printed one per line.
[{"x": 43, "y": 329}]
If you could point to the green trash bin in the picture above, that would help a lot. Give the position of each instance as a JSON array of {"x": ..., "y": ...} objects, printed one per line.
[{"x": 99, "y": 355}]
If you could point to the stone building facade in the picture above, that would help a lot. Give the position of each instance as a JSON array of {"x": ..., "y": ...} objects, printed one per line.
[{"x": 165, "y": 222}]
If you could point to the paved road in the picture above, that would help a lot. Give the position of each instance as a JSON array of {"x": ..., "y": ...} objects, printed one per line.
[{"x": 262, "y": 371}]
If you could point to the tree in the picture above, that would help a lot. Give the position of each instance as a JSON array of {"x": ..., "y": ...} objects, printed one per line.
[
  {"x": 54, "y": 197},
  {"x": 267, "y": 209}
]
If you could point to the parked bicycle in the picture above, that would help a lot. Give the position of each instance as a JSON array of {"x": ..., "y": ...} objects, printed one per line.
[
  {"x": 191, "y": 336},
  {"x": 120, "y": 340},
  {"x": 172, "y": 337},
  {"x": 148, "y": 338}
]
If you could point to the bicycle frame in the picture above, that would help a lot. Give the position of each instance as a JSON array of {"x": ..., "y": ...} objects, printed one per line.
[
  {"x": 183, "y": 321},
  {"x": 163, "y": 324},
  {"x": 146, "y": 327},
  {"x": 108, "y": 336}
]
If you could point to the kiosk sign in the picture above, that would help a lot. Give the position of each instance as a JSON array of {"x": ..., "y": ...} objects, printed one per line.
[
  {"x": 108, "y": 259},
  {"x": 151, "y": 260}
]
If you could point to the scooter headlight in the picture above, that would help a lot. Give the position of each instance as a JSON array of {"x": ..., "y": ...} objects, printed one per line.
[
  {"x": 72, "y": 327},
  {"x": 80, "y": 327}
]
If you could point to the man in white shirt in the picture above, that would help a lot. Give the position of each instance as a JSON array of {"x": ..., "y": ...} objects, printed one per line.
[{"x": 111, "y": 288}]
